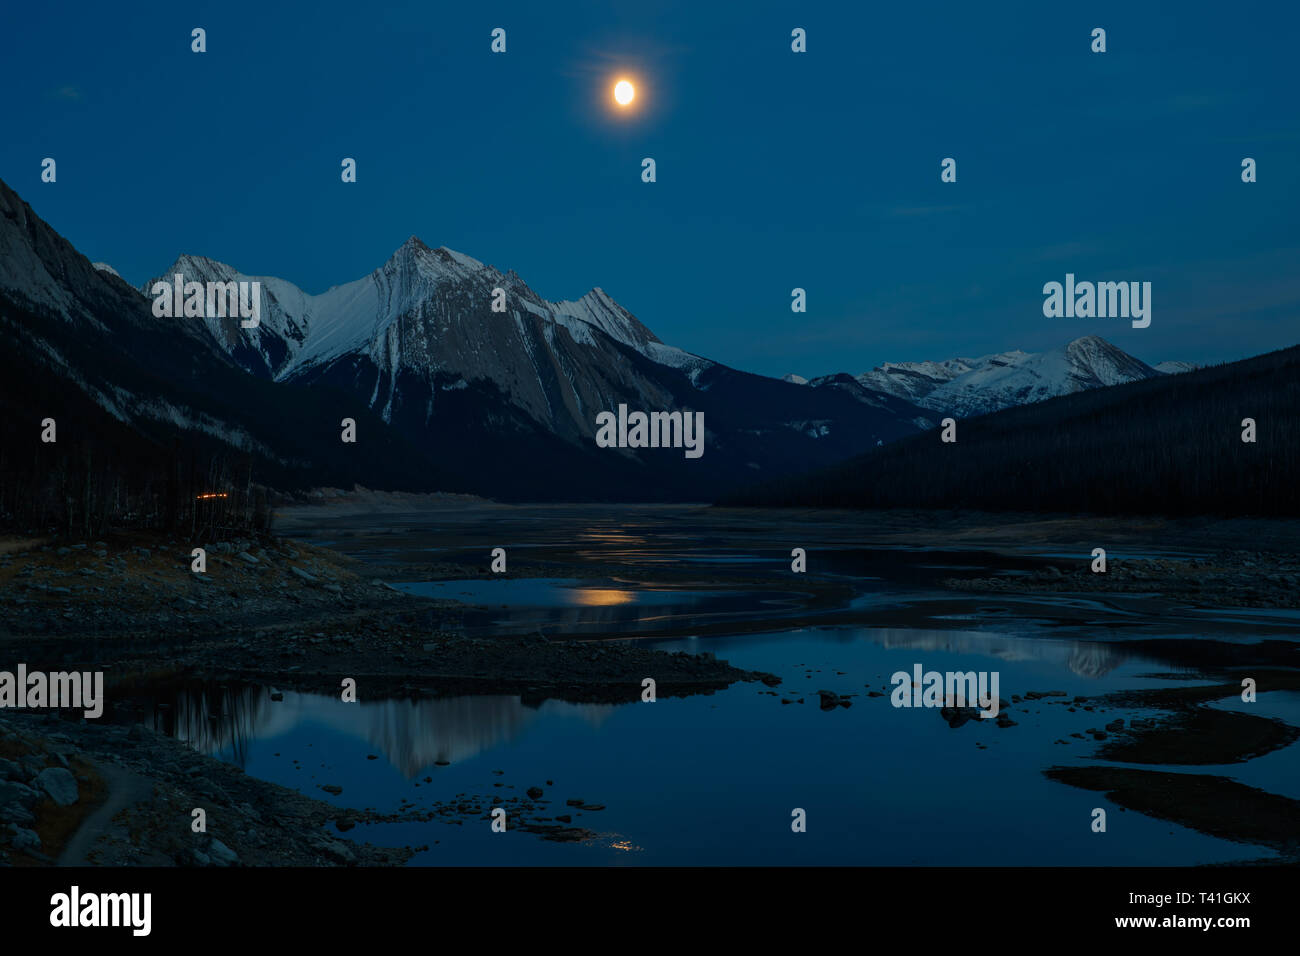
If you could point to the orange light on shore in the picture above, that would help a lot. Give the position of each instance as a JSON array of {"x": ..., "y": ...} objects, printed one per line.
[
  {"x": 601, "y": 597},
  {"x": 215, "y": 494}
]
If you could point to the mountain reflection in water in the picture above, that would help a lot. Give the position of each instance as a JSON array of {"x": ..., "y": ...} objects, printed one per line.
[{"x": 411, "y": 734}]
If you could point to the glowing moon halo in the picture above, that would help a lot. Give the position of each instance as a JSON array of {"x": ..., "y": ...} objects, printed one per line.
[{"x": 624, "y": 92}]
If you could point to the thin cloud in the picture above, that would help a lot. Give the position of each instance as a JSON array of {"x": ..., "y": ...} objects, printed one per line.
[
  {"x": 911, "y": 212},
  {"x": 597, "y": 61}
]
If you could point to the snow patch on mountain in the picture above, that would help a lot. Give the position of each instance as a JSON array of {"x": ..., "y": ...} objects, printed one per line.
[
  {"x": 813, "y": 429},
  {"x": 693, "y": 366},
  {"x": 597, "y": 309},
  {"x": 68, "y": 372}
]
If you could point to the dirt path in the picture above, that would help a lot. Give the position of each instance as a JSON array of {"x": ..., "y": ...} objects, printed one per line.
[{"x": 124, "y": 789}]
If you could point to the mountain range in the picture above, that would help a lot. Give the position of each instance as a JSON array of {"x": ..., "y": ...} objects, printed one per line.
[
  {"x": 447, "y": 394},
  {"x": 513, "y": 395},
  {"x": 966, "y": 387}
]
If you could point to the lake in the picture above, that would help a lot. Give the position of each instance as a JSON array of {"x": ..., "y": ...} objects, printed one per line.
[{"x": 714, "y": 779}]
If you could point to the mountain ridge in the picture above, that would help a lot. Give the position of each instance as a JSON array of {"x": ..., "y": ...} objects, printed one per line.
[{"x": 965, "y": 387}]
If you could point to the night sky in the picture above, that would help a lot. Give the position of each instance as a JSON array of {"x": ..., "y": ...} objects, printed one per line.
[{"x": 775, "y": 169}]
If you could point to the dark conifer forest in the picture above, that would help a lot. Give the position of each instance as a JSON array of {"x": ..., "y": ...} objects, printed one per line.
[{"x": 1171, "y": 445}]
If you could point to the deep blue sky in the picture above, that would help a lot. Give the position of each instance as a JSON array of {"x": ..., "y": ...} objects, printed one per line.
[{"x": 775, "y": 170}]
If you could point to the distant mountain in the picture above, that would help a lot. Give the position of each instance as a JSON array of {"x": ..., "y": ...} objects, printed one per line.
[
  {"x": 1018, "y": 378},
  {"x": 1165, "y": 444},
  {"x": 917, "y": 381},
  {"x": 966, "y": 387}
]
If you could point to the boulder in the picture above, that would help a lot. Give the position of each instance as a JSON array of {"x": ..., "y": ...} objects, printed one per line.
[
  {"x": 221, "y": 854},
  {"x": 337, "y": 850},
  {"x": 60, "y": 784}
]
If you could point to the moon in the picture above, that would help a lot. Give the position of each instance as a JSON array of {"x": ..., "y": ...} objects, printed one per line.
[{"x": 624, "y": 92}]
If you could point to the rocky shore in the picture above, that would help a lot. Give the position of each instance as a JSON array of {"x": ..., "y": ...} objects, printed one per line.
[
  {"x": 270, "y": 611},
  {"x": 1249, "y": 579},
  {"x": 76, "y": 793},
  {"x": 275, "y": 611}
]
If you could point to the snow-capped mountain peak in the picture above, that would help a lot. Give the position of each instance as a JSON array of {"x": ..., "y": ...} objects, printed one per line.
[
  {"x": 300, "y": 330},
  {"x": 975, "y": 386},
  {"x": 1020, "y": 378},
  {"x": 415, "y": 254}
]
